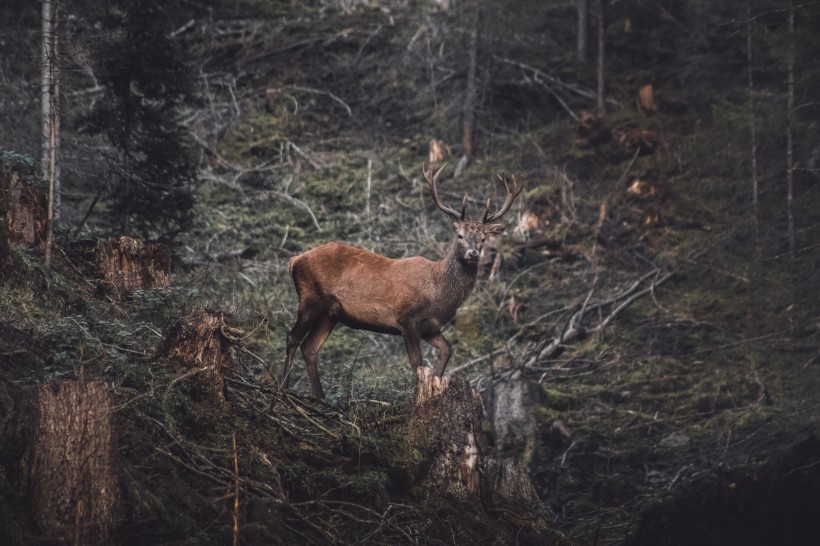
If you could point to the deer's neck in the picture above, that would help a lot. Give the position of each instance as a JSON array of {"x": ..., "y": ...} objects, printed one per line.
[{"x": 459, "y": 278}]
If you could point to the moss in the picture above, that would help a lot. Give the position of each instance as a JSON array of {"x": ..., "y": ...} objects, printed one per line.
[{"x": 557, "y": 399}]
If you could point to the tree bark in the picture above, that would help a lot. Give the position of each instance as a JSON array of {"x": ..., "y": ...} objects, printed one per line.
[
  {"x": 753, "y": 131},
  {"x": 601, "y": 95},
  {"x": 49, "y": 101},
  {"x": 445, "y": 419},
  {"x": 583, "y": 31},
  {"x": 46, "y": 55},
  {"x": 510, "y": 405},
  {"x": 200, "y": 347},
  {"x": 790, "y": 133},
  {"x": 69, "y": 467},
  {"x": 470, "y": 97},
  {"x": 125, "y": 265},
  {"x": 26, "y": 214},
  {"x": 508, "y": 481},
  {"x": 7, "y": 269}
]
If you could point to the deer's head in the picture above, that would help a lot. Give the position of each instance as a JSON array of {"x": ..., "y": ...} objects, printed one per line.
[{"x": 470, "y": 235}]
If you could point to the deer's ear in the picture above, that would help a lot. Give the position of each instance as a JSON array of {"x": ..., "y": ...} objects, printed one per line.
[{"x": 493, "y": 229}]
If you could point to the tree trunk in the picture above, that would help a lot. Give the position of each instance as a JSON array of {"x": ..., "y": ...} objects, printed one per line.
[
  {"x": 790, "y": 134},
  {"x": 583, "y": 31},
  {"x": 49, "y": 105},
  {"x": 69, "y": 467},
  {"x": 7, "y": 265},
  {"x": 470, "y": 97},
  {"x": 753, "y": 131},
  {"x": 46, "y": 56},
  {"x": 601, "y": 95}
]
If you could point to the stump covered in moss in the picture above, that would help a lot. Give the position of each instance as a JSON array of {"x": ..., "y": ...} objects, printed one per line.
[
  {"x": 200, "y": 346},
  {"x": 68, "y": 470},
  {"x": 126, "y": 264},
  {"x": 445, "y": 419}
]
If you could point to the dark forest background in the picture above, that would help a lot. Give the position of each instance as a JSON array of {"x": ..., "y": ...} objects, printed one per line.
[{"x": 645, "y": 336}]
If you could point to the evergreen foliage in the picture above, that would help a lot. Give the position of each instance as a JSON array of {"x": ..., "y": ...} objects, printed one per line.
[{"x": 146, "y": 80}]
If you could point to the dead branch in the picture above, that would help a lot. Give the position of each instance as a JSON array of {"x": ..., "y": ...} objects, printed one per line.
[
  {"x": 322, "y": 92},
  {"x": 300, "y": 204},
  {"x": 235, "y": 493},
  {"x": 306, "y": 156},
  {"x": 586, "y": 93},
  {"x": 551, "y": 90},
  {"x": 574, "y": 328}
]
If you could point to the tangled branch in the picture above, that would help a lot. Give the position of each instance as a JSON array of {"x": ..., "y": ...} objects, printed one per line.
[{"x": 575, "y": 328}]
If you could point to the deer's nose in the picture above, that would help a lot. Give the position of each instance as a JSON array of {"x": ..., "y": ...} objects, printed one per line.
[{"x": 471, "y": 254}]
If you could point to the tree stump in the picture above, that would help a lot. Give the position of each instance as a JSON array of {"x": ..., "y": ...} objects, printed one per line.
[
  {"x": 445, "y": 419},
  {"x": 437, "y": 152},
  {"x": 591, "y": 130},
  {"x": 26, "y": 209},
  {"x": 200, "y": 346},
  {"x": 507, "y": 482},
  {"x": 510, "y": 403},
  {"x": 69, "y": 466},
  {"x": 646, "y": 100},
  {"x": 126, "y": 264}
]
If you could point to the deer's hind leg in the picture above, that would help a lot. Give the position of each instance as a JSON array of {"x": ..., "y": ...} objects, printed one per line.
[
  {"x": 308, "y": 315},
  {"x": 310, "y": 350}
]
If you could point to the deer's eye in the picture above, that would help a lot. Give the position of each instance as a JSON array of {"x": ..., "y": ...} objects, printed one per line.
[{"x": 460, "y": 236}]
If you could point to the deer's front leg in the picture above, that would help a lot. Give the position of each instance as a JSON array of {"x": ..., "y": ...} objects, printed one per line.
[{"x": 445, "y": 350}]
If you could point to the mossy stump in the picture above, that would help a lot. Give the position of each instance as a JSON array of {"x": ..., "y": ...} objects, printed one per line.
[
  {"x": 200, "y": 347},
  {"x": 445, "y": 419},
  {"x": 69, "y": 469}
]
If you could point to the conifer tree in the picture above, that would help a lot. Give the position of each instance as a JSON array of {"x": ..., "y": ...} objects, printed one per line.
[{"x": 146, "y": 80}]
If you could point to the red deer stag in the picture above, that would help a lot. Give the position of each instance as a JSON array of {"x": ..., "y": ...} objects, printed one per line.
[{"x": 411, "y": 297}]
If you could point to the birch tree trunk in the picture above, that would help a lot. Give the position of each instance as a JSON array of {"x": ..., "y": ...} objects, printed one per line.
[{"x": 49, "y": 107}]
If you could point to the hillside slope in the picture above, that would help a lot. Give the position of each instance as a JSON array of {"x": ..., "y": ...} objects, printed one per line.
[{"x": 682, "y": 410}]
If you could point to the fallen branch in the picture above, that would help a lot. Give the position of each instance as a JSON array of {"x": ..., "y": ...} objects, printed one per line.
[
  {"x": 586, "y": 93},
  {"x": 574, "y": 328},
  {"x": 300, "y": 204},
  {"x": 322, "y": 92},
  {"x": 307, "y": 157}
]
